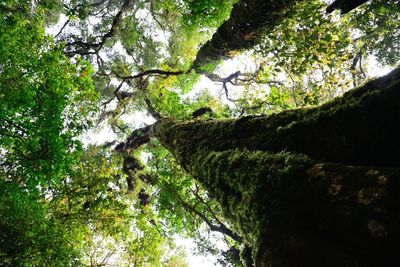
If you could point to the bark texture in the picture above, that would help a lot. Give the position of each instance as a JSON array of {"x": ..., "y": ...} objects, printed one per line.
[
  {"x": 360, "y": 128},
  {"x": 248, "y": 21},
  {"x": 306, "y": 187}
]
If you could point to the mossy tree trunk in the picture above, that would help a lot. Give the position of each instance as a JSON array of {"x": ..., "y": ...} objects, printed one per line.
[
  {"x": 249, "y": 19},
  {"x": 306, "y": 187},
  {"x": 248, "y": 22}
]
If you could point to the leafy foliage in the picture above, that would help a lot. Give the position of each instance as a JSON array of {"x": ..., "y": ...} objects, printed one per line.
[
  {"x": 58, "y": 199},
  {"x": 312, "y": 51},
  {"x": 46, "y": 102},
  {"x": 28, "y": 237},
  {"x": 378, "y": 25}
]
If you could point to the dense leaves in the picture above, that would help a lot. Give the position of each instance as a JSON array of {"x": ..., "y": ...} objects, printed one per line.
[
  {"x": 28, "y": 237},
  {"x": 46, "y": 102},
  {"x": 57, "y": 200}
]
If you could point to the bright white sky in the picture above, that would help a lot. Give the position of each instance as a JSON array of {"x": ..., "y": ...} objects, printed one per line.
[{"x": 195, "y": 260}]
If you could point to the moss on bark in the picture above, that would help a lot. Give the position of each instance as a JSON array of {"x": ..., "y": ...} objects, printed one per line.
[
  {"x": 248, "y": 21},
  {"x": 272, "y": 179},
  {"x": 361, "y": 128}
]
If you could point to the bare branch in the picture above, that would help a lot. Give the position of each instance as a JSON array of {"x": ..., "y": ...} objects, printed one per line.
[
  {"x": 216, "y": 78},
  {"x": 86, "y": 48},
  {"x": 62, "y": 28},
  {"x": 150, "y": 72},
  {"x": 154, "y": 16},
  {"x": 221, "y": 228},
  {"x": 357, "y": 60}
]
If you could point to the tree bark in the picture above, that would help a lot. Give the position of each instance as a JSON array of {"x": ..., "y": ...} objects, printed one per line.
[
  {"x": 305, "y": 187},
  {"x": 344, "y": 5},
  {"x": 244, "y": 27},
  {"x": 360, "y": 128},
  {"x": 249, "y": 20}
]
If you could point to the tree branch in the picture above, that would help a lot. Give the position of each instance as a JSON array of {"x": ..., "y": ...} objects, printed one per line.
[
  {"x": 221, "y": 228},
  {"x": 345, "y": 6},
  {"x": 150, "y": 72},
  {"x": 62, "y": 28},
  {"x": 85, "y": 47}
]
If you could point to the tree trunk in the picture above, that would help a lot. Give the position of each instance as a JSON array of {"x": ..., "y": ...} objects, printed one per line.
[
  {"x": 360, "y": 128},
  {"x": 306, "y": 187},
  {"x": 249, "y": 20},
  {"x": 244, "y": 27}
]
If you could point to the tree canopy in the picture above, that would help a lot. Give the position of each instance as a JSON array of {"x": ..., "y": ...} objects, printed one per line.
[{"x": 190, "y": 127}]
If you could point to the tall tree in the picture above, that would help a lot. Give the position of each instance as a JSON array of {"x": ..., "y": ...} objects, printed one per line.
[
  {"x": 307, "y": 187},
  {"x": 249, "y": 171}
]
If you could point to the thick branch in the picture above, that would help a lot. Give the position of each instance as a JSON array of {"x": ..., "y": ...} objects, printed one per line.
[
  {"x": 137, "y": 138},
  {"x": 345, "y": 6},
  {"x": 154, "y": 71}
]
